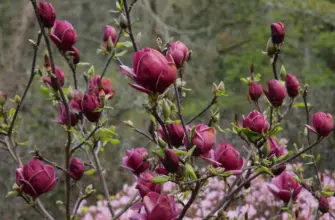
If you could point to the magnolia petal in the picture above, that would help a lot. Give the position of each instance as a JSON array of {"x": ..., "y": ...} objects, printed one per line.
[
  {"x": 140, "y": 88},
  {"x": 127, "y": 71}
]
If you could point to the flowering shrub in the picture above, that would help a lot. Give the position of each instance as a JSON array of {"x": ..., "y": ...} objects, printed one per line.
[
  {"x": 256, "y": 202},
  {"x": 185, "y": 173}
]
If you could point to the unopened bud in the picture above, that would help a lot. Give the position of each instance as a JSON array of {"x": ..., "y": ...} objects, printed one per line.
[
  {"x": 129, "y": 123},
  {"x": 166, "y": 110},
  {"x": 3, "y": 98},
  {"x": 17, "y": 99},
  {"x": 161, "y": 143},
  {"x": 70, "y": 93},
  {"x": 123, "y": 21},
  {"x": 282, "y": 72}
]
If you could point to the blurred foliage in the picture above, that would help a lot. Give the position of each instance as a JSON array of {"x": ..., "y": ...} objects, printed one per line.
[{"x": 226, "y": 38}]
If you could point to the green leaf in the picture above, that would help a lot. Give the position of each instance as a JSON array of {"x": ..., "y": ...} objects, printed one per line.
[
  {"x": 180, "y": 152},
  {"x": 284, "y": 157},
  {"x": 11, "y": 193},
  {"x": 301, "y": 105},
  {"x": 45, "y": 89},
  {"x": 328, "y": 194},
  {"x": 190, "y": 171},
  {"x": 120, "y": 54},
  {"x": 90, "y": 172},
  {"x": 264, "y": 169},
  {"x": 124, "y": 44},
  {"x": 11, "y": 113},
  {"x": 191, "y": 151},
  {"x": 91, "y": 71},
  {"x": 245, "y": 81},
  {"x": 160, "y": 179},
  {"x": 225, "y": 174}
]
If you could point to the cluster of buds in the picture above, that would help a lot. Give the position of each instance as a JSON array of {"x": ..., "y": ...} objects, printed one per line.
[{"x": 62, "y": 33}]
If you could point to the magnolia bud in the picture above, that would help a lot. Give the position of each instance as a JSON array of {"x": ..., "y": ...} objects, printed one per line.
[
  {"x": 47, "y": 14},
  {"x": 77, "y": 168},
  {"x": 166, "y": 110},
  {"x": 255, "y": 91},
  {"x": 17, "y": 99},
  {"x": 3, "y": 98},
  {"x": 323, "y": 204},
  {"x": 123, "y": 21},
  {"x": 277, "y": 32}
]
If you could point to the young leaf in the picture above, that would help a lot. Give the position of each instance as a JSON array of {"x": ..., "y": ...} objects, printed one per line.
[{"x": 160, "y": 179}]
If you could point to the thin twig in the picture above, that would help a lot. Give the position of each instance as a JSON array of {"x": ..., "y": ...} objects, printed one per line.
[
  {"x": 40, "y": 157},
  {"x": 127, "y": 206},
  {"x": 144, "y": 134},
  {"x": 181, "y": 116},
  {"x": 103, "y": 181},
  {"x": 112, "y": 54},
  {"x": 204, "y": 110},
  {"x": 84, "y": 141},
  {"x": 77, "y": 204},
  {"x": 130, "y": 32},
  {"x": 191, "y": 200},
  {"x": 271, "y": 116},
  {"x": 32, "y": 74},
  {"x": 45, "y": 212},
  {"x": 161, "y": 123}
]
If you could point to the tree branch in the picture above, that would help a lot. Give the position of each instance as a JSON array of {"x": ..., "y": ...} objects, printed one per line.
[
  {"x": 204, "y": 110},
  {"x": 102, "y": 180},
  {"x": 127, "y": 10}
]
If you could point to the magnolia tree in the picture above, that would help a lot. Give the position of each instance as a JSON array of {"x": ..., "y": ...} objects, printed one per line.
[{"x": 185, "y": 154}]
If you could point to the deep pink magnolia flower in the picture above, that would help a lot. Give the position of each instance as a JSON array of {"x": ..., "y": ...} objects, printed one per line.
[
  {"x": 152, "y": 72},
  {"x": 226, "y": 156},
  {"x": 276, "y": 93},
  {"x": 275, "y": 149},
  {"x": 255, "y": 91},
  {"x": 3, "y": 97},
  {"x": 323, "y": 124},
  {"x": 63, "y": 35},
  {"x": 109, "y": 34},
  {"x": 35, "y": 178},
  {"x": 52, "y": 81},
  {"x": 277, "y": 32},
  {"x": 145, "y": 184},
  {"x": 75, "y": 102},
  {"x": 62, "y": 118},
  {"x": 292, "y": 85},
  {"x": 90, "y": 105},
  {"x": 323, "y": 204},
  {"x": 75, "y": 55},
  {"x": 170, "y": 161},
  {"x": 256, "y": 122},
  {"x": 179, "y": 52},
  {"x": 136, "y": 160},
  {"x": 77, "y": 168},
  {"x": 282, "y": 186},
  {"x": 204, "y": 138},
  {"x": 158, "y": 207},
  {"x": 105, "y": 89},
  {"x": 47, "y": 13},
  {"x": 176, "y": 134}
]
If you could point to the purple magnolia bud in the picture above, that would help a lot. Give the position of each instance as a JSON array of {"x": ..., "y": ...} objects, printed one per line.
[
  {"x": 179, "y": 52},
  {"x": 94, "y": 87},
  {"x": 35, "y": 178},
  {"x": 136, "y": 160},
  {"x": 176, "y": 134},
  {"x": 3, "y": 98},
  {"x": 145, "y": 184},
  {"x": 170, "y": 161},
  {"x": 204, "y": 138},
  {"x": 323, "y": 124},
  {"x": 158, "y": 207},
  {"x": 276, "y": 93},
  {"x": 256, "y": 122},
  {"x": 323, "y": 204},
  {"x": 255, "y": 91},
  {"x": 47, "y": 14},
  {"x": 227, "y": 157},
  {"x": 63, "y": 35},
  {"x": 109, "y": 35},
  {"x": 77, "y": 168},
  {"x": 292, "y": 85},
  {"x": 51, "y": 81},
  {"x": 282, "y": 185},
  {"x": 75, "y": 55},
  {"x": 152, "y": 72},
  {"x": 275, "y": 149},
  {"x": 277, "y": 32},
  {"x": 62, "y": 118},
  {"x": 90, "y": 105},
  {"x": 75, "y": 103}
]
